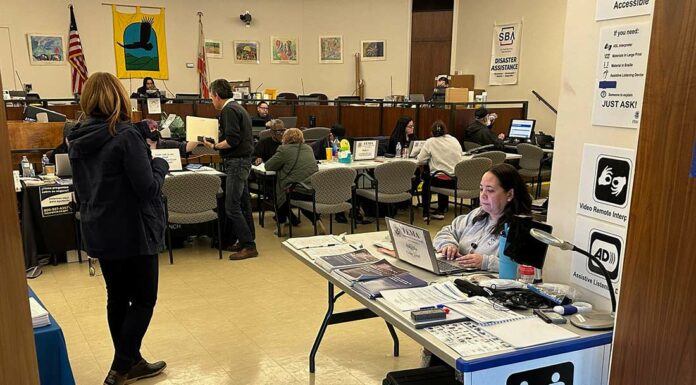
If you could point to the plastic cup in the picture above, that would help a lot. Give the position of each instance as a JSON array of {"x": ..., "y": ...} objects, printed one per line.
[
  {"x": 50, "y": 169},
  {"x": 329, "y": 152}
]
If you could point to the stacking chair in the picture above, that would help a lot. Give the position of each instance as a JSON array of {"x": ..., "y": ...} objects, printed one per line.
[
  {"x": 315, "y": 133},
  {"x": 531, "y": 165},
  {"x": 192, "y": 198},
  {"x": 468, "y": 146},
  {"x": 331, "y": 190},
  {"x": 391, "y": 184},
  {"x": 467, "y": 174},
  {"x": 497, "y": 157}
]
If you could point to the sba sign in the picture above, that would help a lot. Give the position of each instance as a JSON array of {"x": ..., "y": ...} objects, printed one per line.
[{"x": 506, "y": 36}]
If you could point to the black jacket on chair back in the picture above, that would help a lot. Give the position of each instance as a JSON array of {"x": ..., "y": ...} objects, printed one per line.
[{"x": 118, "y": 187}]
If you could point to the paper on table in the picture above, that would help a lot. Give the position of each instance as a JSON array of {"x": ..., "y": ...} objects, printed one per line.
[
  {"x": 484, "y": 313},
  {"x": 468, "y": 339},
  {"x": 416, "y": 298},
  {"x": 39, "y": 315},
  {"x": 317, "y": 252},
  {"x": 529, "y": 332},
  {"x": 315, "y": 241}
]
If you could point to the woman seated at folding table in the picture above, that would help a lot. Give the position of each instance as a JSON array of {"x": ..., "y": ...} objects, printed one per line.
[
  {"x": 473, "y": 239},
  {"x": 293, "y": 162},
  {"x": 441, "y": 152}
]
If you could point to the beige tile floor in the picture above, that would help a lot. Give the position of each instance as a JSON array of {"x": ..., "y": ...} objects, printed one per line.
[{"x": 224, "y": 322}]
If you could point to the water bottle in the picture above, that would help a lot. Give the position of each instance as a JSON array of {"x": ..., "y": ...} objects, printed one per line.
[
  {"x": 334, "y": 147},
  {"x": 526, "y": 274},
  {"x": 26, "y": 167},
  {"x": 398, "y": 150},
  {"x": 44, "y": 162}
]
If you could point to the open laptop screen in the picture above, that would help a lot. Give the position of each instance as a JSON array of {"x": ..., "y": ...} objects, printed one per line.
[{"x": 521, "y": 129}]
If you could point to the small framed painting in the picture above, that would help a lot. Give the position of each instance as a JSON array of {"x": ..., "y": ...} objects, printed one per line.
[
  {"x": 246, "y": 51},
  {"x": 46, "y": 49},
  {"x": 330, "y": 49},
  {"x": 213, "y": 49},
  {"x": 373, "y": 50},
  {"x": 284, "y": 50}
]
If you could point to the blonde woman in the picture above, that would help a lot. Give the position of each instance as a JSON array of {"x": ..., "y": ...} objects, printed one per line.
[
  {"x": 293, "y": 162},
  {"x": 118, "y": 184}
]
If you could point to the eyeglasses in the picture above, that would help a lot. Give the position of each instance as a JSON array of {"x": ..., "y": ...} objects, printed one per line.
[
  {"x": 410, "y": 125},
  {"x": 277, "y": 132}
]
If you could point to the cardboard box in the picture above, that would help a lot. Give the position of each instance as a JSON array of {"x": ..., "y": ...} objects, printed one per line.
[
  {"x": 456, "y": 95},
  {"x": 462, "y": 81}
]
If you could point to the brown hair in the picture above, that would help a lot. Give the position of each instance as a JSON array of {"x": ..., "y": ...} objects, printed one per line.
[
  {"x": 104, "y": 96},
  {"x": 438, "y": 128},
  {"x": 293, "y": 136},
  {"x": 277, "y": 124}
]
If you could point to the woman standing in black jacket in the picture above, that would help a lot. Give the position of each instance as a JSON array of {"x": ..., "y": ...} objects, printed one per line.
[{"x": 118, "y": 186}]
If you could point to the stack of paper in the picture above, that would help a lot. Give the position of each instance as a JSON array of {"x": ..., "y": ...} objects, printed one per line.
[
  {"x": 39, "y": 315},
  {"x": 350, "y": 259},
  {"x": 529, "y": 332}
]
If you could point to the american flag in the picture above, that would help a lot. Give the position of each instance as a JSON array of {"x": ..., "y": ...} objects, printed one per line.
[
  {"x": 202, "y": 63},
  {"x": 76, "y": 57}
]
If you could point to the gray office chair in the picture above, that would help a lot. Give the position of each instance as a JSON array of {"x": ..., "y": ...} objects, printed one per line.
[
  {"x": 497, "y": 157},
  {"x": 531, "y": 165},
  {"x": 203, "y": 150},
  {"x": 192, "y": 198},
  {"x": 331, "y": 190},
  {"x": 289, "y": 121},
  {"x": 316, "y": 133},
  {"x": 468, "y": 146},
  {"x": 467, "y": 174},
  {"x": 391, "y": 184}
]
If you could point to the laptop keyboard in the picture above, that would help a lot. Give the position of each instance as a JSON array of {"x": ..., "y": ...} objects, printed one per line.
[{"x": 445, "y": 266}]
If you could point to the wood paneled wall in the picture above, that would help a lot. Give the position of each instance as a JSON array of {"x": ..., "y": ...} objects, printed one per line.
[
  {"x": 431, "y": 49},
  {"x": 17, "y": 354},
  {"x": 655, "y": 337}
]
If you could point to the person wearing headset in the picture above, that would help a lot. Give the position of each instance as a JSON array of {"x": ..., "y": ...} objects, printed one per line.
[{"x": 441, "y": 152}]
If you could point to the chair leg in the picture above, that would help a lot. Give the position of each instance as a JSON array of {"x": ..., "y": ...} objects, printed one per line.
[
  {"x": 377, "y": 210},
  {"x": 289, "y": 216},
  {"x": 410, "y": 210},
  {"x": 78, "y": 241},
  {"x": 219, "y": 235},
  {"x": 169, "y": 245},
  {"x": 314, "y": 213},
  {"x": 330, "y": 223},
  {"x": 352, "y": 221}
]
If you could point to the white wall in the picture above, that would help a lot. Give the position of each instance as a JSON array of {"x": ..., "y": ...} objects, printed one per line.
[
  {"x": 306, "y": 19},
  {"x": 540, "y": 56},
  {"x": 574, "y": 128}
]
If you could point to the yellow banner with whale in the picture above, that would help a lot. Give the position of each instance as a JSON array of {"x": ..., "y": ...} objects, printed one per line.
[{"x": 140, "y": 44}]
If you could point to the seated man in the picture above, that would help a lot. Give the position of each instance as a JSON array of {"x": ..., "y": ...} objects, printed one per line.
[
  {"x": 479, "y": 131},
  {"x": 319, "y": 146},
  {"x": 440, "y": 89},
  {"x": 262, "y": 114},
  {"x": 267, "y": 147},
  {"x": 150, "y": 130}
]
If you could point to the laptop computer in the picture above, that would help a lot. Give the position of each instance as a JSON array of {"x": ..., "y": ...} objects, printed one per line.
[
  {"x": 63, "y": 167},
  {"x": 414, "y": 148},
  {"x": 417, "y": 98},
  {"x": 414, "y": 246}
]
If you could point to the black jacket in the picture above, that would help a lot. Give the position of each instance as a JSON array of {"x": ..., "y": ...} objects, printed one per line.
[
  {"x": 478, "y": 132},
  {"x": 234, "y": 126},
  {"x": 118, "y": 187}
]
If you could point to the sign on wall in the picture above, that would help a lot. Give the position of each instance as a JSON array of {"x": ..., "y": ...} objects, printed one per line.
[
  {"x": 607, "y": 243},
  {"x": 606, "y": 183},
  {"x": 620, "y": 78},
  {"x": 505, "y": 54},
  {"x": 140, "y": 44},
  {"x": 614, "y": 9}
]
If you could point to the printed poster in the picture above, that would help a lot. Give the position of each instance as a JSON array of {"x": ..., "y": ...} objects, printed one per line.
[
  {"x": 606, "y": 183},
  {"x": 620, "y": 79},
  {"x": 505, "y": 54},
  {"x": 614, "y": 9},
  {"x": 55, "y": 200},
  {"x": 140, "y": 44},
  {"x": 606, "y": 242}
]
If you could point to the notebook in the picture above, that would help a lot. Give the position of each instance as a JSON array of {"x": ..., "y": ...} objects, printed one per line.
[
  {"x": 485, "y": 313},
  {"x": 529, "y": 332}
]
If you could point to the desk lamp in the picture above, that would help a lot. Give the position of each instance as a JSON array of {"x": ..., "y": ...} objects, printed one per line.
[{"x": 594, "y": 320}]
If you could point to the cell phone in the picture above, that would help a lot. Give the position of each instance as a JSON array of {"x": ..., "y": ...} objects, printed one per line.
[{"x": 550, "y": 316}]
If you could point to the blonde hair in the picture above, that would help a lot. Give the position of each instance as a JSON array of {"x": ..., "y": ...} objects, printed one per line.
[
  {"x": 103, "y": 96},
  {"x": 293, "y": 136},
  {"x": 277, "y": 124}
]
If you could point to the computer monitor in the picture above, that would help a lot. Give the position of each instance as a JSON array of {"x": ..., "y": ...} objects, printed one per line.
[
  {"x": 417, "y": 98},
  {"x": 521, "y": 129},
  {"x": 180, "y": 98},
  {"x": 258, "y": 122},
  {"x": 309, "y": 100},
  {"x": 30, "y": 112},
  {"x": 521, "y": 247}
]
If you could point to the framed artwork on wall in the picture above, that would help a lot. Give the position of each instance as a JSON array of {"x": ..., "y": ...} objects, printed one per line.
[
  {"x": 284, "y": 50},
  {"x": 213, "y": 49},
  {"x": 330, "y": 49},
  {"x": 46, "y": 49},
  {"x": 373, "y": 50},
  {"x": 246, "y": 51}
]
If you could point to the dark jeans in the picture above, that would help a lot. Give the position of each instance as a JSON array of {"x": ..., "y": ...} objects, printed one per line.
[
  {"x": 442, "y": 200},
  {"x": 131, "y": 289},
  {"x": 238, "y": 201}
]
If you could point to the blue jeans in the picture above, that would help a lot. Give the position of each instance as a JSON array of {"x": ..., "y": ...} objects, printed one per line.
[{"x": 238, "y": 200}]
